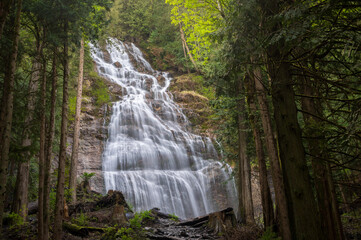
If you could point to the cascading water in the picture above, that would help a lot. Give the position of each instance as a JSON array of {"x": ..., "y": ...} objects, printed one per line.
[{"x": 149, "y": 155}]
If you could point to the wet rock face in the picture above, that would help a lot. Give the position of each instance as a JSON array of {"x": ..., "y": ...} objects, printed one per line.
[
  {"x": 161, "y": 80},
  {"x": 107, "y": 56},
  {"x": 117, "y": 64},
  {"x": 92, "y": 135}
]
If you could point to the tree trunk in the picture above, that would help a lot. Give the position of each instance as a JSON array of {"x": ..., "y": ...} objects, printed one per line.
[
  {"x": 48, "y": 154},
  {"x": 185, "y": 55},
  {"x": 6, "y": 116},
  {"x": 59, "y": 207},
  {"x": 4, "y": 10},
  {"x": 276, "y": 172},
  {"x": 245, "y": 192},
  {"x": 267, "y": 204},
  {"x": 303, "y": 211},
  {"x": 42, "y": 156},
  {"x": 304, "y": 220},
  {"x": 186, "y": 46},
  {"x": 20, "y": 202},
  {"x": 327, "y": 202},
  {"x": 74, "y": 155}
]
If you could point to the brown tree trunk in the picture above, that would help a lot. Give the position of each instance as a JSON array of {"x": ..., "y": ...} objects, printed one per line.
[
  {"x": 186, "y": 46},
  {"x": 42, "y": 156},
  {"x": 267, "y": 204},
  {"x": 304, "y": 220},
  {"x": 48, "y": 154},
  {"x": 6, "y": 116},
  {"x": 244, "y": 182},
  {"x": 4, "y": 10},
  {"x": 74, "y": 154},
  {"x": 59, "y": 206},
  {"x": 20, "y": 201},
  {"x": 185, "y": 55},
  {"x": 271, "y": 146},
  {"x": 327, "y": 202},
  {"x": 303, "y": 211}
]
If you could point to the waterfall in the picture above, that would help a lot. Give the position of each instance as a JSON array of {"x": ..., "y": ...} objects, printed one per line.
[{"x": 149, "y": 155}]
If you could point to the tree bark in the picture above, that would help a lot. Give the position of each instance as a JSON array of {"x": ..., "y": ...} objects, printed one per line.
[
  {"x": 304, "y": 220},
  {"x": 303, "y": 211},
  {"x": 6, "y": 116},
  {"x": 244, "y": 182},
  {"x": 59, "y": 207},
  {"x": 20, "y": 202},
  {"x": 42, "y": 156},
  {"x": 267, "y": 204},
  {"x": 48, "y": 154},
  {"x": 271, "y": 146},
  {"x": 327, "y": 202},
  {"x": 4, "y": 11},
  {"x": 186, "y": 46},
  {"x": 74, "y": 155}
]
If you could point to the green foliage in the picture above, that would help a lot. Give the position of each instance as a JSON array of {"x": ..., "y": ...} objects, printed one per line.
[
  {"x": 81, "y": 220},
  {"x": 199, "y": 20},
  {"x": 133, "y": 231},
  {"x": 125, "y": 233},
  {"x": 52, "y": 199},
  {"x": 100, "y": 91},
  {"x": 109, "y": 233},
  {"x": 148, "y": 24},
  {"x": 146, "y": 215},
  {"x": 13, "y": 219},
  {"x": 174, "y": 217},
  {"x": 72, "y": 106},
  {"x": 67, "y": 194},
  {"x": 136, "y": 221},
  {"x": 87, "y": 176},
  {"x": 269, "y": 235}
]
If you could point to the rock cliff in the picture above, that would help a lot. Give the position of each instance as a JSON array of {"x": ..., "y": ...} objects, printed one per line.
[{"x": 93, "y": 129}]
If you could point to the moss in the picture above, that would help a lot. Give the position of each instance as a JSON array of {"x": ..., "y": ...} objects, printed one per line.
[
  {"x": 71, "y": 107},
  {"x": 173, "y": 217},
  {"x": 81, "y": 230},
  {"x": 82, "y": 220},
  {"x": 133, "y": 231},
  {"x": 194, "y": 95},
  {"x": 99, "y": 90}
]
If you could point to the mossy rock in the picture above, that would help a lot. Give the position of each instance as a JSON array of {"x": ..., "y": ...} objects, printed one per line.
[{"x": 81, "y": 231}]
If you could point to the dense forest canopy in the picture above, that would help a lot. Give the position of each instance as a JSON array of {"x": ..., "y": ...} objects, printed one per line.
[{"x": 281, "y": 79}]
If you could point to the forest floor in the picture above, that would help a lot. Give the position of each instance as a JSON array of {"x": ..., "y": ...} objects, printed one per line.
[{"x": 110, "y": 217}]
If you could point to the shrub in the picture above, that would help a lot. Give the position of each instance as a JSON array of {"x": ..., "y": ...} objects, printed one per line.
[
  {"x": 13, "y": 219},
  {"x": 269, "y": 235},
  {"x": 82, "y": 220},
  {"x": 174, "y": 217}
]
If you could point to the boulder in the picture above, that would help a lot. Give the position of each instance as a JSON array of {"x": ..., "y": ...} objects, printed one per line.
[
  {"x": 161, "y": 80},
  {"x": 117, "y": 64},
  {"x": 106, "y": 56}
]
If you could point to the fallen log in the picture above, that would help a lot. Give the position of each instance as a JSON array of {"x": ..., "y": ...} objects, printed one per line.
[
  {"x": 221, "y": 221},
  {"x": 81, "y": 231},
  {"x": 156, "y": 211}
]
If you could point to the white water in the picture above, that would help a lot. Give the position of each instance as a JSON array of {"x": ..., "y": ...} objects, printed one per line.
[{"x": 149, "y": 155}]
